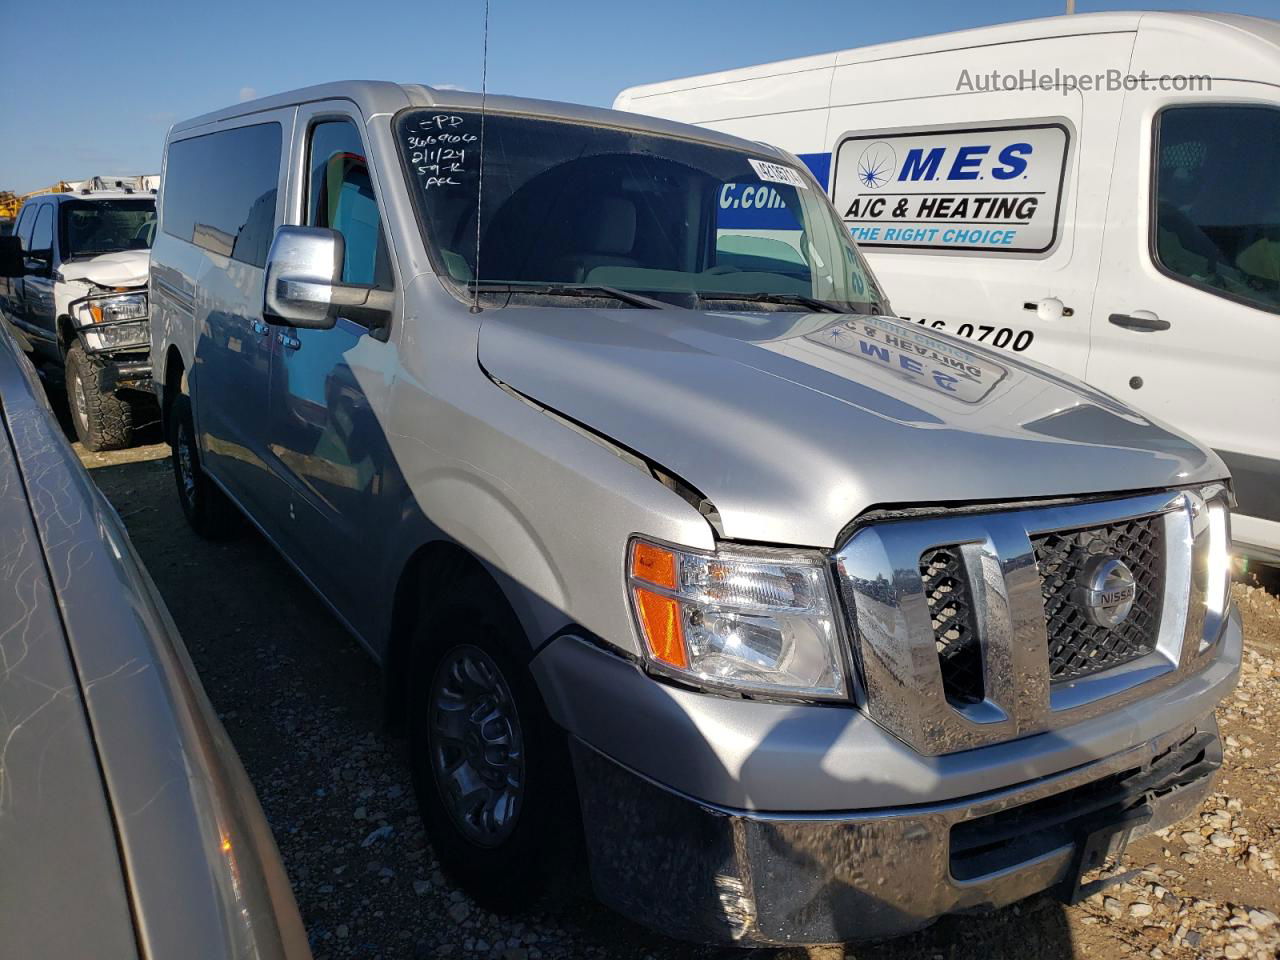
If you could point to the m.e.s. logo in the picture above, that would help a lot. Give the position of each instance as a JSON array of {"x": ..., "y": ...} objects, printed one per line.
[{"x": 994, "y": 189}]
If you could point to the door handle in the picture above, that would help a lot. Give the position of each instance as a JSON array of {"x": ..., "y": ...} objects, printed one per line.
[
  {"x": 1049, "y": 309},
  {"x": 1143, "y": 320},
  {"x": 288, "y": 341},
  {"x": 259, "y": 327}
]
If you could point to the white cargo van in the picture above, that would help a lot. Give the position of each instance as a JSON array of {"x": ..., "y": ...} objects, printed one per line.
[{"x": 1100, "y": 193}]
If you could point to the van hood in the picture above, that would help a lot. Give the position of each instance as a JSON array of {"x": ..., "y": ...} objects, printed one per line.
[
  {"x": 794, "y": 424},
  {"x": 127, "y": 268}
]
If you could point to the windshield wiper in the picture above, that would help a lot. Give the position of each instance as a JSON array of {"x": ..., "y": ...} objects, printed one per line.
[
  {"x": 567, "y": 290},
  {"x": 798, "y": 299}
]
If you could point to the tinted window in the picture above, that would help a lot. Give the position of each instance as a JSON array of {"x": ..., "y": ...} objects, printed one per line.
[
  {"x": 340, "y": 195},
  {"x": 1217, "y": 222},
  {"x": 220, "y": 191},
  {"x": 42, "y": 233},
  {"x": 26, "y": 220},
  {"x": 92, "y": 227}
]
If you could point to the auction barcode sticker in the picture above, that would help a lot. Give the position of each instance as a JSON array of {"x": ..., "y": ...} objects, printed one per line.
[{"x": 777, "y": 173}]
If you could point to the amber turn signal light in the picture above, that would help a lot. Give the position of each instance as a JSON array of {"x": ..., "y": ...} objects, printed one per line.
[
  {"x": 660, "y": 621},
  {"x": 654, "y": 565}
]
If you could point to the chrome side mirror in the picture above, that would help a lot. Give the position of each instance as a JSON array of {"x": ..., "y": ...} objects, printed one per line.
[{"x": 304, "y": 285}]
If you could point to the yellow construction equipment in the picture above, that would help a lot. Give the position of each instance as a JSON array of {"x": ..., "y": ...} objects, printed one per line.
[{"x": 11, "y": 203}]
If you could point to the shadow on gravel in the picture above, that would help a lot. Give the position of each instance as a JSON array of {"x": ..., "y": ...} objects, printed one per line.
[{"x": 302, "y": 702}]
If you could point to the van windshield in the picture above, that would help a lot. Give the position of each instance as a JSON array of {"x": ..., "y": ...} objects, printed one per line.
[
  {"x": 93, "y": 227},
  {"x": 569, "y": 205}
]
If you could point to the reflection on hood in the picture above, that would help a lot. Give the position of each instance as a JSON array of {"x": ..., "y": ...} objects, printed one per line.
[{"x": 915, "y": 355}]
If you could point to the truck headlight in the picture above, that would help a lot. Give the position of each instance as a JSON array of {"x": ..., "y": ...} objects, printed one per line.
[
  {"x": 115, "y": 309},
  {"x": 118, "y": 336},
  {"x": 751, "y": 621},
  {"x": 115, "y": 322}
]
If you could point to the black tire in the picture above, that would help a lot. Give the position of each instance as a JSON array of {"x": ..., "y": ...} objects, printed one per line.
[
  {"x": 207, "y": 508},
  {"x": 102, "y": 421},
  {"x": 507, "y": 872}
]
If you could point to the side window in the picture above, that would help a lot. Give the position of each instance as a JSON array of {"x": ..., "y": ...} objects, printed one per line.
[
  {"x": 1217, "y": 200},
  {"x": 26, "y": 220},
  {"x": 340, "y": 196},
  {"x": 42, "y": 233},
  {"x": 220, "y": 191}
]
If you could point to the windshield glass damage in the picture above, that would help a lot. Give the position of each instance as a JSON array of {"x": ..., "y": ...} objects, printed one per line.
[{"x": 619, "y": 212}]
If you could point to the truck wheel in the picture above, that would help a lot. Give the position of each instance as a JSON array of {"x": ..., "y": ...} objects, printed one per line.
[
  {"x": 490, "y": 769},
  {"x": 207, "y": 508},
  {"x": 103, "y": 421}
]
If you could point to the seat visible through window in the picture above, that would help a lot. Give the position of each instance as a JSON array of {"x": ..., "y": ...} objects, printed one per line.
[{"x": 341, "y": 197}]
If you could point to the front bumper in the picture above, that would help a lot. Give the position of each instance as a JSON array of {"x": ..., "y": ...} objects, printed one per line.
[
  {"x": 719, "y": 875},
  {"x": 124, "y": 372},
  {"x": 710, "y": 818}
]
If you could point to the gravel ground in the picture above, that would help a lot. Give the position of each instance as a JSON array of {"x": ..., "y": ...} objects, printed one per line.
[{"x": 302, "y": 703}]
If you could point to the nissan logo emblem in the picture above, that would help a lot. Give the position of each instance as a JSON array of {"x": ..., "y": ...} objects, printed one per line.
[{"x": 1107, "y": 590}]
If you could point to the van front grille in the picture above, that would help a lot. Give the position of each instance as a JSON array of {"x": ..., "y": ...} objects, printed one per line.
[
  {"x": 1078, "y": 647},
  {"x": 971, "y": 628},
  {"x": 955, "y": 628}
]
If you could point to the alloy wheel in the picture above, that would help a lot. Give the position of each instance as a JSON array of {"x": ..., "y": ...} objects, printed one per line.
[{"x": 79, "y": 401}]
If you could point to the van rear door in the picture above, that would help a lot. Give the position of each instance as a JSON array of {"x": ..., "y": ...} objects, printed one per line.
[{"x": 1187, "y": 322}]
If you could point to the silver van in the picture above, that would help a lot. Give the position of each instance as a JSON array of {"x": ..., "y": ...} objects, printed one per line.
[{"x": 597, "y": 431}]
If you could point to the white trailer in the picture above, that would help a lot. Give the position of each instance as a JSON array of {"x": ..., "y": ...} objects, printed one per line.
[{"x": 1098, "y": 192}]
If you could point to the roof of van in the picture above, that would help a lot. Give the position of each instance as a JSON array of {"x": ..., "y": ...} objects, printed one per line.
[
  {"x": 374, "y": 97},
  {"x": 1206, "y": 27}
]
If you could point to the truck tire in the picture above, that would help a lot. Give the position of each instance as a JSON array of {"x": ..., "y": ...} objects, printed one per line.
[
  {"x": 211, "y": 515},
  {"x": 490, "y": 768},
  {"x": 103, "y": 421}
]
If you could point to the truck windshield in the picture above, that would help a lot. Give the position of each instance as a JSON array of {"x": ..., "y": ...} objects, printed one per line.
[
  {"x": 93, "y": 227},
  {"x": 575, "y": 208}
]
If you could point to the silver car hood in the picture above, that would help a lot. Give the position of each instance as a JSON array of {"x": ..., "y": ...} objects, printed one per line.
[{"x": 794, "y": 424}]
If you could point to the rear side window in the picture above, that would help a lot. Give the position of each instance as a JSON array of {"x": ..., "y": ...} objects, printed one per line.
[
  {"x": 1217, "y": 200},
  {"x": 340, "y": 196},
  {"x": 220, "y": 191}
]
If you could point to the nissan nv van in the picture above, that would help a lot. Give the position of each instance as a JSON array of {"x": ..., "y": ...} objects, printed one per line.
[
  {"x": 815, "y": 624},
  {"x": 1100, "y": 193}
]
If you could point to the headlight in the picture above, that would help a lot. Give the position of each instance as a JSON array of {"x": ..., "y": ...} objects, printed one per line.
[
  {"x": 116, "y": 309},
  {"x": 115, "y": 322},
  {"x": 119, "y": 336},
  {"x": 750, "y": 621}
]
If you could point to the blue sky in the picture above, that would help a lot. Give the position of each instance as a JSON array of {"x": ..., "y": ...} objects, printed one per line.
[{"x": 90, "y": 88}]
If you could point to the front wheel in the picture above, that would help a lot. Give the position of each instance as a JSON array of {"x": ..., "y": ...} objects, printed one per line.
[
  {"x": 490, "y": 769},
  {"x": 102, "y": 420}
]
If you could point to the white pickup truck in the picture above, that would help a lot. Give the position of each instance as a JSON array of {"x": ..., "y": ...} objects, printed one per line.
[{"x": 73, "y": 284}]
